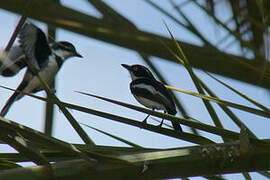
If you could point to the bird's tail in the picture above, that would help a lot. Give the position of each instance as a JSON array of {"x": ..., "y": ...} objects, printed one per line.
[
  {"x": 8, "y": 104},
  {"x": 176, "y": 126}
]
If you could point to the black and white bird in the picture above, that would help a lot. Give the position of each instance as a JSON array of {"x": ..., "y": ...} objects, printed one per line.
[
  {"x": 39, "y": 57},
  {"x": 150, "y": 92}
]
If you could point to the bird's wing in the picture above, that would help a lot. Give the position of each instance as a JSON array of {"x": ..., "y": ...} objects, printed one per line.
[
  {"x": 35, "y": 46},
  {"x": 154, "y": 91},
  {"x": 12, "y": 62},
  {"x": 166, "y": 95}
]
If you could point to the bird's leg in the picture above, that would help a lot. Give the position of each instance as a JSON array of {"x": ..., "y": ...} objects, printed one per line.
[
  {"x": 145, "y": 120},
  {"x": 162, "y": 120}
]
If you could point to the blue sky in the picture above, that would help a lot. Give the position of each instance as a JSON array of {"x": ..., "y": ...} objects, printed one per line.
[{"x": 100, "y": 72}]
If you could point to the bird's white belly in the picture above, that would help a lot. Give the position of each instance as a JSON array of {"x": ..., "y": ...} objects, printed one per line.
[
  {"x": 150, "y": 104},
  {"x": 47, "y": 74}
]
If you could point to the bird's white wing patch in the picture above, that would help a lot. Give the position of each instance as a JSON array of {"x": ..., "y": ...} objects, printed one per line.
[
  {"x": 147, "y": 102},
  {"x": 145, "y": 86}
]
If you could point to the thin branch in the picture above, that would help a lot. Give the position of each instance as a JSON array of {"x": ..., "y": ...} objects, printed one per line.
[
  {"x": 15, "y": 33},
  {"x": 49, "y": 107}
]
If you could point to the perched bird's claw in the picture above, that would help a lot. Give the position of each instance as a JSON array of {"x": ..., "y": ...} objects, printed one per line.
[
  {"x": 144, "y": 121},
  {"x": 160, "y": 125}
]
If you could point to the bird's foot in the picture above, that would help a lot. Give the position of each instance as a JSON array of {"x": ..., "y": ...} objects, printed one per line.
[
  {"x": 144, "y": 121},
  {"x": 160, "y": 125}
]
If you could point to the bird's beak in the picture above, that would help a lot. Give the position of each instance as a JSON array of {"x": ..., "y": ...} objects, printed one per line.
[
  {"x": 126, "y": 66},
  {"x": 78, "y": 55}
]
